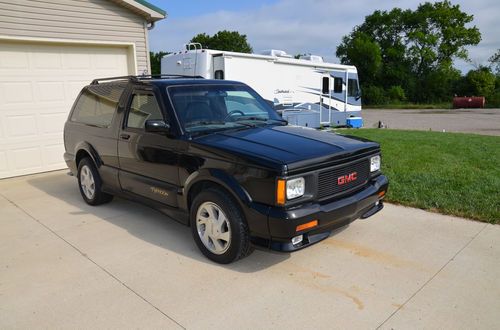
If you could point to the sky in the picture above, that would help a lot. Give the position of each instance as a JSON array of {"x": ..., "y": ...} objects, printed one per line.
[{"x": 298, "y": 26}]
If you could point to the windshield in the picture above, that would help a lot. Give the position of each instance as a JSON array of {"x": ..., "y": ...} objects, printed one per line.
[{"x": 207, "y": 108}]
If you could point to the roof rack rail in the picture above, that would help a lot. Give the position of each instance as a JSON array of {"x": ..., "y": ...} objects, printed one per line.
[
  {"x": 166, "y": 75},
  {"x": 143, "y": 77},
  {"x": 129, "y": 78}
]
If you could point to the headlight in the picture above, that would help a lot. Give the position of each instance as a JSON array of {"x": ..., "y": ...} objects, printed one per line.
[
  {"x": 375, "y": 163},
  {"x": 295, "y": 188}
]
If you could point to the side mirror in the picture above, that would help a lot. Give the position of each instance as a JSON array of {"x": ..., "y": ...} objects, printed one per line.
[
  {"x": 157, "y": 126},
  {"x": 358, "y": 94}
]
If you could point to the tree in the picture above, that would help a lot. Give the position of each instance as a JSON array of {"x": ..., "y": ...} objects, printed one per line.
[
  {"x": 155, "y": 59},
  {"x": 481, "y": 82},
  {"x": 436, "y": 34},
  {"x": 364, "y": 53},
  {"x": 224, "y": 40},
  {"x": 417, "y": 48},
  {"x": 495, "y": 62}
]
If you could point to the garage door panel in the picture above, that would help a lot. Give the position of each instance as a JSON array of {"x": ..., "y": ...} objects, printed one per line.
[
  {"x": 17, "y": 92},
  {"x": 27, "y": 159},
  {"x": 46, "y": 58},
  {"x": 22, "y": 126},
  {"x": 10, "y": 58},
  {"x": 74, "y": 87},
  {"x": 107, "y": 61},
  {"x": 38, "y": 86},
  {"x": 50, "y": 91},
  {"x": 52, "y": 155},
  {"x": 53, "y": 123},
  {"x": 77, "y": 60}
]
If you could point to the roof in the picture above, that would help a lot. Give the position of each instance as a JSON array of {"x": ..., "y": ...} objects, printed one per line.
[{"x": 143, "y": 8}]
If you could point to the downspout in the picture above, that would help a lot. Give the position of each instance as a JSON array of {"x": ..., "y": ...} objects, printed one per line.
[{"x": 147, "y": 26}]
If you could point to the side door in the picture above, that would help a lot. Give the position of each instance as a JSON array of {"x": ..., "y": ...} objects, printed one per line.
[
  {"x": 148, "y": 161},
  {"x": 325, "y": 102},
  {"x": 218, "y": 65}
]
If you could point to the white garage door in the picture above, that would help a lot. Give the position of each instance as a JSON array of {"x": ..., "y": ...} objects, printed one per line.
[{"x": 38, "y": 85}]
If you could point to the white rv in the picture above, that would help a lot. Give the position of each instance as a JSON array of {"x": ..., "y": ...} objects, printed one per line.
[{"x": 306, "y": 91}]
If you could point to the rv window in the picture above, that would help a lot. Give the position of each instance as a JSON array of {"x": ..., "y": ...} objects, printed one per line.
[
  {"x": 352, "y": 88},
  {"x": 337, "y": 85},
  {"x": 326, "y": 85},
  {"x": 219, "y": 74}
]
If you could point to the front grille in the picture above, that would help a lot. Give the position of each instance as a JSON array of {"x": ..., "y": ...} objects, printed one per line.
[{"x": 328, "y": 180}]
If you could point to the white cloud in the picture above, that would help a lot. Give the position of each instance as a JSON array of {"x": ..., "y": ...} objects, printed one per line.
[{"x": 316, "y": 26}]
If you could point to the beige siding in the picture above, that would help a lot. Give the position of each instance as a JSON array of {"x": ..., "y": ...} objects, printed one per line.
[{"x": 94, "y": 20}]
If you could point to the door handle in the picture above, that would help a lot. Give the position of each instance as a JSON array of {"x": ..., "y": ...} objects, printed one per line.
[{"x": 124, "y": 136}]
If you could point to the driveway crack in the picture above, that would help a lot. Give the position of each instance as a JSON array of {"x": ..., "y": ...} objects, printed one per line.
[
  {"x": 432, "y": 277},
  {"x": 83, "y": 254}
]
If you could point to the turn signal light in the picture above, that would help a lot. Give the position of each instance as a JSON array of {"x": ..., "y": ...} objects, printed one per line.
[
  {"x": 381, "y": 194},
  {"x": 307, "y": 225},
  {"x": 280, "y": 192}
]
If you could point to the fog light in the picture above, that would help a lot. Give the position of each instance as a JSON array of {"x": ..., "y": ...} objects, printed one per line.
[{"x": 297, "y": 239}]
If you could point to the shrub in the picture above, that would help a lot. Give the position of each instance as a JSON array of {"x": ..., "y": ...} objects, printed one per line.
[
  {"x": 396, "y": 94},
  {"x": 374, "y": 95}
]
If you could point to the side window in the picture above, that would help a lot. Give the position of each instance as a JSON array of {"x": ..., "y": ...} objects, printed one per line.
[
  {"x": 352, "y": 87},
  {"x": 143, "y": 107},
  {"x": 326, "y": 85},
  {"x": 337, "y": 85},
  {"x": 96, "y": 106}
]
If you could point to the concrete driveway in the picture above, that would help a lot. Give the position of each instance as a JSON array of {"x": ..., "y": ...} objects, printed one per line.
[
  {"x": 478, "y": 121},
  {"x": 64, "y": 264}
]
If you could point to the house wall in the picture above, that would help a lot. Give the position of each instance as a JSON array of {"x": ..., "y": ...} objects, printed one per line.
[{"x": 89, "y": 20}]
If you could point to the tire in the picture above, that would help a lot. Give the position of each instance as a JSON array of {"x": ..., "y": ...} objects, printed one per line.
[
  {"x": 90, "y": 183},
  {"x": 218, "y": 227}
]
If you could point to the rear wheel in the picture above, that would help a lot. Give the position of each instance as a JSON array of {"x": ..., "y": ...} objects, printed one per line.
[
  {"x": 218, "y": 227},
  {"x": 90, "y": 183}
]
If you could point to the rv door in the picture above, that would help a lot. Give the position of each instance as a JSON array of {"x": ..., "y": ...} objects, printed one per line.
[
  {"x": 218, "y": 65},
  {"x": 325, "y": 99},
  {"x": 188, "y": 63}
]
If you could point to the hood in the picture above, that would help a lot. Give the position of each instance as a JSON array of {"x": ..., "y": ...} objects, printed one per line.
[{"x": 286, "y": 145}]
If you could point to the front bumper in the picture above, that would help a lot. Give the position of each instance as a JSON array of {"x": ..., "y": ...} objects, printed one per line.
[{"x": 337, "y": 213}]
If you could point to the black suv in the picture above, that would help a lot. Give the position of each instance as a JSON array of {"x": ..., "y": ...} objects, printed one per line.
[{"x": 214, "y": 155}]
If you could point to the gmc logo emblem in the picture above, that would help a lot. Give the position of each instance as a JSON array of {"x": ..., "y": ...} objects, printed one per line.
[{"x": 347, "y": 178}]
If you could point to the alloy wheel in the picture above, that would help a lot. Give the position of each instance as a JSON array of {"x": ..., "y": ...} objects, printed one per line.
[{"x": 213, "y": 228}]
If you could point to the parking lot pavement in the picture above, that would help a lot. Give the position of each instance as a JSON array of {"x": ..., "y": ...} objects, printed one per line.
[
  {"x": 477, "y": 121},
  {"x": 122, "y": 265}
]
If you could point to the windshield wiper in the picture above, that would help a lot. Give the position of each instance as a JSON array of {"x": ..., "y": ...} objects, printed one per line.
[
  {"x": 205, "y": 122},
  {"x": 251, "y": 118},
  {"x": 262, "y": 119}
]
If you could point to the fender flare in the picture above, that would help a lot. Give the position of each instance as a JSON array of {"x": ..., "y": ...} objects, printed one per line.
[
  {"x": 218, "y": 177},
  {"x": 87, "y": 147}
]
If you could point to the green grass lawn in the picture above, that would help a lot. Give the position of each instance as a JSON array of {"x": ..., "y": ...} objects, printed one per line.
[{"x": 450, "y": 173}]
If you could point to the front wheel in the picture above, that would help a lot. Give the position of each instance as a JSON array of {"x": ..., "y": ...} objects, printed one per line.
[{"x": 218, "y": 227}]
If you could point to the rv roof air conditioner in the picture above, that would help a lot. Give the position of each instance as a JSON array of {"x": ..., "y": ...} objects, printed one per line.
[
  {"x": 275, "y": 52},
  {"x": 312, "y": 58}
]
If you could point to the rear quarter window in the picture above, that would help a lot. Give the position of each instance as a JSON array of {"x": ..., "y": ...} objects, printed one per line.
[{"x": 97, "y": 104}]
